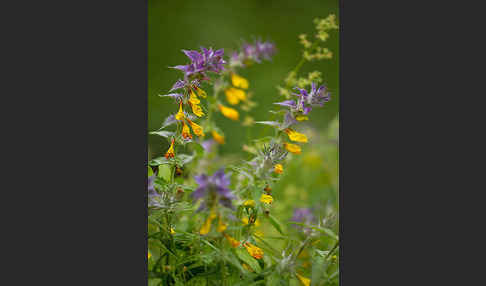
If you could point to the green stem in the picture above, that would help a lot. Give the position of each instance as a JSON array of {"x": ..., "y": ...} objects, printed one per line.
[{"x": 333, "y": 249}]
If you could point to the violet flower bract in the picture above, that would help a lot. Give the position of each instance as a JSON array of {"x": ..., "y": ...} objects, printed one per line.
[{"x": 215, "y": 185}]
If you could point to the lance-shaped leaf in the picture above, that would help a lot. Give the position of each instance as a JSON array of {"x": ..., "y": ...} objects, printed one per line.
[
  {"x": 271, "y": 123},
  {"x": 184, "y": 159},
  {"x": 168, "y": 121},
  {"x": 173, "y": 95},
  {"x": 162, "y": 133}
]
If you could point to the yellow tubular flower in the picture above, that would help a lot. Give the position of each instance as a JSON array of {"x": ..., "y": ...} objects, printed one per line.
[
  {"x": 201, "y": 92},
  {"x": 292, "y": 148},
  {"x": 301, "y": 118},
  {"x": 149, "y": 255},
  {"x": 221, "y": 225},
  {"x": 193, "y": 98},
  {"x": 278, "y": 169},
  {"x": 197, "y": 110},
  {"x": 217, "y": 137},
  {"x": 196, "y": 128},
  {"x": 239, "y": 93},
  {"x": 254, "y": 250},
  {"x": 180, "y": 114},
  {"x": 170, "y": 153},
  {"x": 229, "y": 112},
  {"x": 235, "y": 243},
  {"x": 206, "y": 226},
  {"x": 186, "y": 132},
  {"x": 266, "y": 199},
  {"x": 305, "y": 281},
  {"x": 296, "y": 136},
  {"x": 172, "y": 231},
  {"x": 250, "y": 203},
  {"x": 234, "y": 95},
  {"x": 231, "y": 97},
  {"x": 239, "y": 81},
  {"x": 245, "y": 221}
]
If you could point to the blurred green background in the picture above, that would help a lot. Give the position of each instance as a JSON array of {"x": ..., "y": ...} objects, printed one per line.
[{"x": 189, "y": 24}]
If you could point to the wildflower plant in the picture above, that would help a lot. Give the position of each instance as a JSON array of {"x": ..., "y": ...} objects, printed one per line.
[{"x": 209, "y": 223}]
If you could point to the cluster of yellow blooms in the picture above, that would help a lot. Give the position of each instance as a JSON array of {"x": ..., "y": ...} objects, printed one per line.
[
  {"x": 187, "y": 123},
  {"x": 234, "y": 95}
]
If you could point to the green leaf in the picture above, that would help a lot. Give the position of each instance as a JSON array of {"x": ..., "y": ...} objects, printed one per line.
[
  {"x": 164, "y": 172},
  {"x": 165, "y": 134},
  {"x": 329, "y": 232},
  {"x": 322, "y": 253},
  {"x": 246, "y": 257},
  {"x": 275, "y": 224},
  {"x": 150, "y": 171},
  {"x": 271, "y": 123},
  {"x": 184, "y": 159},
  {"x": 158, "y": 161}
]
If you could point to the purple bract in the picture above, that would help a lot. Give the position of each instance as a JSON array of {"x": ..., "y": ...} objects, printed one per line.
[
  {"x": 207, "y": 60},
  {"x": 216, "y": 184}
]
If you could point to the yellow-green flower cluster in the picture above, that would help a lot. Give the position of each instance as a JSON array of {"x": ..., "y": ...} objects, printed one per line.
[{"x": 324, "y": 25}]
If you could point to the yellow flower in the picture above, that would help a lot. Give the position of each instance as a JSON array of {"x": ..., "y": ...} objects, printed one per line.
[
  {"x": 196, "y": 128},
  {"x": 253, "y": 250},
  {"x": 217, "y": 137},
  {"x": 197, "y": 110},
  {"x": 170, "y": 153},
  {"x": 193, "y": 98},
  {"x": 234, "y": 95},
  {"x": 149, "y": 255},
  {"x": 239, "y": 81},
  {"x": 235, "y": 243},
  {"x": 207, "y": 225},
  {"x": 229, "y": 112},
  {"x": 201, "y": 92},
  {"x": 296, "y": 136},
  {"x": 186, "y": 132},
  {"x": 221, "y": 225},
  {"x": 245, "y": 221},
  {"x": 250, "y": 203},
  {"x": 180, "y": 114},
  {"x": 266, "y": 199},
  {"x": 172, "y": 231},
  {"x": 292, "y": 148},
  {"x": 278, "y": 169},
  {"x": 301, "y": 118},
  {"x": 305, "y": 281}
]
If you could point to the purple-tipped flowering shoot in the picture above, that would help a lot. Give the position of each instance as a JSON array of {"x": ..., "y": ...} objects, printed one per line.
[
  {"x": 303, "y": 215},
  {"x": 207, "y": 60},
  {"x": 255, "y": 52},
  {"x": 213, "y": 189},
  {"x": 304, "y": 103}
]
